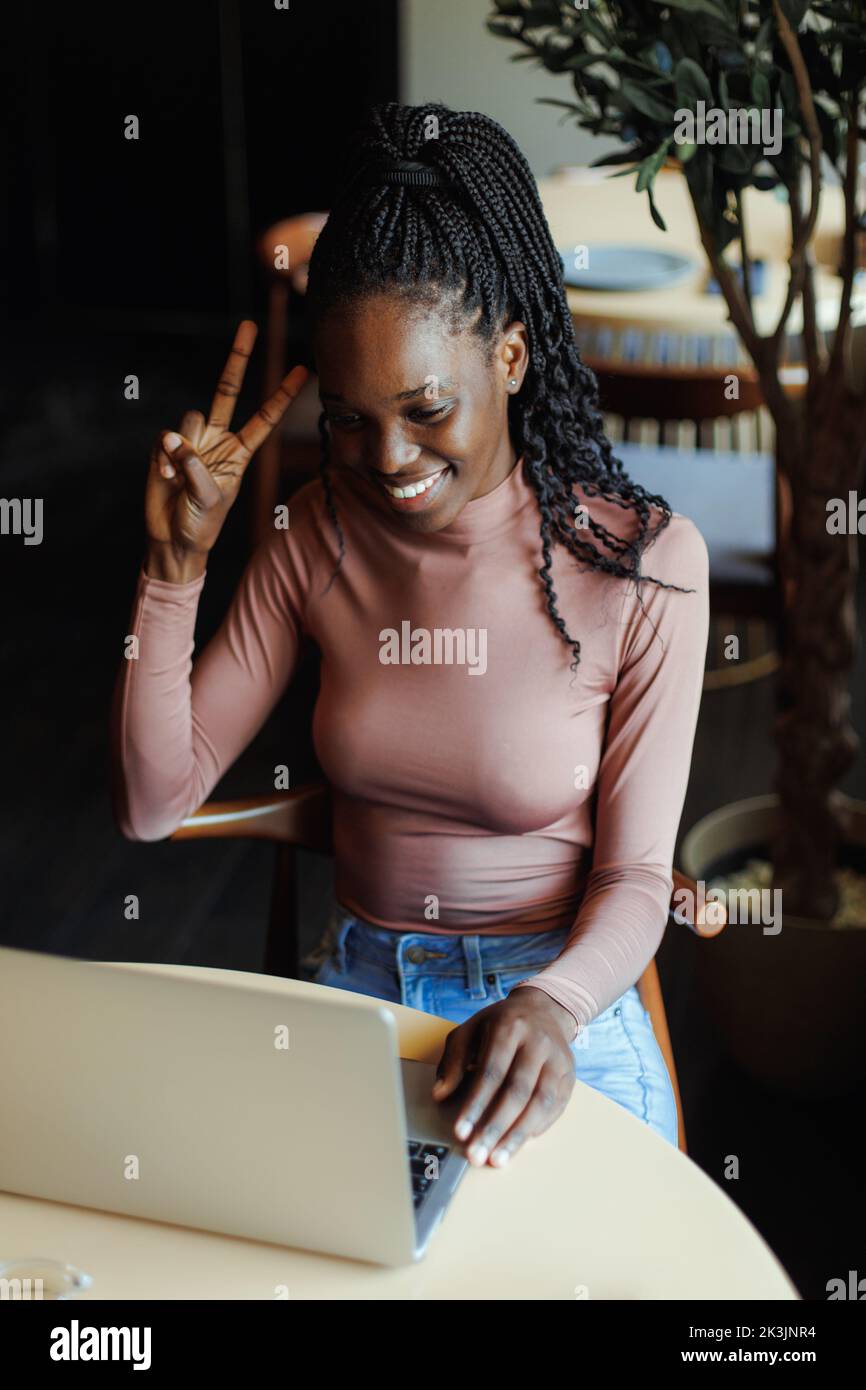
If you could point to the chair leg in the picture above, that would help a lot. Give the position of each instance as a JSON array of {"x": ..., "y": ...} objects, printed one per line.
[
  {"x": 282, "y": 948},
  {"x": 266, "y": 473},
  {"x": 650, "y": 991}
]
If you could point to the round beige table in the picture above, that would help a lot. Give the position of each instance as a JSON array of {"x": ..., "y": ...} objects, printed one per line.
[
  {"x": 600, "y": 1207},
  {"x": 587, "y": 207}
]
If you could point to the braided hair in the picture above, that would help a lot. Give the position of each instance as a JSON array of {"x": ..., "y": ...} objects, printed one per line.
[{"x": 472, "y": 240}]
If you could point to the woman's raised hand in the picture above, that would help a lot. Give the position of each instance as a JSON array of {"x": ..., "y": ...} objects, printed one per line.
[{"x": 195, "y": 472}]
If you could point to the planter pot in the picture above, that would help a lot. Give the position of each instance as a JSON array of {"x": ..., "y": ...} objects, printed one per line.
[{"x": 790, "y": 1007}]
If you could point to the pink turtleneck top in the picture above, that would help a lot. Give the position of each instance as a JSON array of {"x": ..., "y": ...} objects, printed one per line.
[{"x": 477, "y": 785}]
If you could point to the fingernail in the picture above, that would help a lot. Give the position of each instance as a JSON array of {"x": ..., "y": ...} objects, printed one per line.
[
  {"x": 168, "y": 470},
  {"x": 172, "y": 441},
  {"x": 500, "y": 1158},
  {"x": 463, "y": 1129},
  {"x": 438, "y": 1084},
  {"x": 477, "y": 1153}
]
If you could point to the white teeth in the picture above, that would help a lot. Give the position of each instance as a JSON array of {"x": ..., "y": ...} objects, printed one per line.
[{"x": 414, "y": 489}]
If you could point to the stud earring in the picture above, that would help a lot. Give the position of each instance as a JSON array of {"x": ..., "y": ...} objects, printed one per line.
[{"x": 512, "y": 381}]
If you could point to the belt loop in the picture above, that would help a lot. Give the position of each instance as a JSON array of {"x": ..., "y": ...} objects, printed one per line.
[
  {"x": 472, "y": 956},
  {"x": 345, "y": 925}
]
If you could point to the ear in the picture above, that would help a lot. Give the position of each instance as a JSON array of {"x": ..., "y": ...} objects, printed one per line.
[{"x": 512, "y": 357}]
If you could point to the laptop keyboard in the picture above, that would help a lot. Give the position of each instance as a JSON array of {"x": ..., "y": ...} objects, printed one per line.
[{"x": 421, "y": 1164}]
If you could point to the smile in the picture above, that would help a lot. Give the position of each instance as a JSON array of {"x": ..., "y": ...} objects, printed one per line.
[{"x": 419, "y": 493}]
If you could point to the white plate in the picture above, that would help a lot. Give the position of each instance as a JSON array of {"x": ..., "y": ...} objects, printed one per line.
[{"x": 626, "y": 268}]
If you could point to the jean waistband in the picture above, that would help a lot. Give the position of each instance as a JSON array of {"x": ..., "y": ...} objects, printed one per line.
[{"x": 383, "y": 945}]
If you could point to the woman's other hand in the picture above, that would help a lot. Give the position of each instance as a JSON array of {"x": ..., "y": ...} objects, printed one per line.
[
  {"x": 521, "y": 1067},
  {"x": 196, "y": 471}
]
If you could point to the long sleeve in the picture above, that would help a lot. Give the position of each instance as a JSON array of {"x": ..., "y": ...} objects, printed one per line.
[
  {"x": 642, "y": 780},
  {"x": 177, "y": 725}
]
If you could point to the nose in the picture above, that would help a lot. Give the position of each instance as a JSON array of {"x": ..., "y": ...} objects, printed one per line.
[{"x": 390, "y": 453}]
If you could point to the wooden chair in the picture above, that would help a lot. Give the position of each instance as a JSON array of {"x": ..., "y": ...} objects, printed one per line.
[
  {"x": 301, "y": 819},
  {"x": 298, "y": 236},
  {"x": 668, "y": 393}
]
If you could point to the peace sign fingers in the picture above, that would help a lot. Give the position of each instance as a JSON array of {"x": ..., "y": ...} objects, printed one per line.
[
  {"x": 259, "y": 426},
  {"x": 231, "y": 381}
]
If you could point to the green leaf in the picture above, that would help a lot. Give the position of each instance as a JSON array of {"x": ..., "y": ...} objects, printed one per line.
[
  {"x": 591, "y": 25},
  {"x": 737, "y": 159},
  {"x": 540, "y": 13},
  {"x": 829, "y": 136},
  {"x": 764, "y": 37},
  {"x": 643, "y": 101},
  {"x": 579, "y": 113},
  {"x": 788, "y": 91},
  {"x": 597, "y": 87},
  {"x": 577, "y": 61},
  {"x": 555, "y": 51},
  {"x": 654, "y": 212},
  {"x": 760, "y": 91},
  {"x": 692, "y": 84},
  {"x": 617, "y": 157},
  {"x": 551, "y": 101},
  {"x": 853, "y": 67},
  {"x": 794, "y": 10},
  {"x": 717, "y": 10},
  {"x": 651, "y": 165},
  {"x": 502, "y": 28},
  {"x": 724, "y": 94}
]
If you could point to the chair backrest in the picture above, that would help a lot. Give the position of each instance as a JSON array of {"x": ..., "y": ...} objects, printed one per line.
[
  {"x": 284, "y": 251},
  {"x": 285, "y": 248},
  {"x": 301, "y": 819},
  {"x": 662, "y": 392}
]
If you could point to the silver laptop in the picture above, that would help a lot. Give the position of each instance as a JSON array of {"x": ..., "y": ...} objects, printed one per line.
[{"x": 232, "y": 1107}]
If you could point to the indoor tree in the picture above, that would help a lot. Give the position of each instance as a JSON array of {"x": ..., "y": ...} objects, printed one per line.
[{"x": 634, "y": 64}]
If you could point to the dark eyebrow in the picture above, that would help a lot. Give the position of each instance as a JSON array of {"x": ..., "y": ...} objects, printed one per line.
[{"x": 447, "y": 383}]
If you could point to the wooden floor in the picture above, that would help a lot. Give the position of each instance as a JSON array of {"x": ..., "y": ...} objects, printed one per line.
[{"x": 65, "y": 871}]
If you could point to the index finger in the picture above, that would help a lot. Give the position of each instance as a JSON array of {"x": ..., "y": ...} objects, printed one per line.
[
  {"x": 231, "y": 381},
  {"x": 493, "y": 1068},
  {"x": 259, "y": 426}
]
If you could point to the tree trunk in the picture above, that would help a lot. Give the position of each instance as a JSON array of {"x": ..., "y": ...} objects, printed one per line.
[{"x": 819, "y": 458}]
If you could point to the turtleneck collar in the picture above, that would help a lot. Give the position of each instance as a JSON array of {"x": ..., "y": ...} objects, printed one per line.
[{"x": 479, "y": 520}]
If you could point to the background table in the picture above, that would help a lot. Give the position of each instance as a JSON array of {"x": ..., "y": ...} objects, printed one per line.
[
  {"x": 600, "y": 1207},
  {"x": 585, "y": 207}
]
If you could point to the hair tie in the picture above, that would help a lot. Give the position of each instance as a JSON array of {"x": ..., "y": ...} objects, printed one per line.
[{"x": 410, "y": 173}]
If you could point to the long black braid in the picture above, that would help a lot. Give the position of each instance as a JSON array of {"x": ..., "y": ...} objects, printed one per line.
[{"x": 480, "y": 250}]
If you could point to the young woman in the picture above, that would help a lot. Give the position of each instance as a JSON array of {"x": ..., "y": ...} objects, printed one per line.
[{"x": 507, "y": 703}]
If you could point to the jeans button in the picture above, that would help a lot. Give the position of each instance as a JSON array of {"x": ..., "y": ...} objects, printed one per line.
[
  {"x": 416, "y": 954},
  {"x": 617, "y": 1010}
]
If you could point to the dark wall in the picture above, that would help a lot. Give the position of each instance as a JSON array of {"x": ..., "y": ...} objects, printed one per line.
[{"x": 242, "y": 110}]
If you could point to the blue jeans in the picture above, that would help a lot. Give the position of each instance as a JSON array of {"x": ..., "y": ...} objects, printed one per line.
[{"x": 456, "y": 976}]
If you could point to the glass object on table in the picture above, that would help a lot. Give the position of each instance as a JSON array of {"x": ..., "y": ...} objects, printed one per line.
[{"x": 37, "y": 1277}]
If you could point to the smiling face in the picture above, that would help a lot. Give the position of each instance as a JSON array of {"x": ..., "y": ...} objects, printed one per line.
[{"x": 415, "y": 408}]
